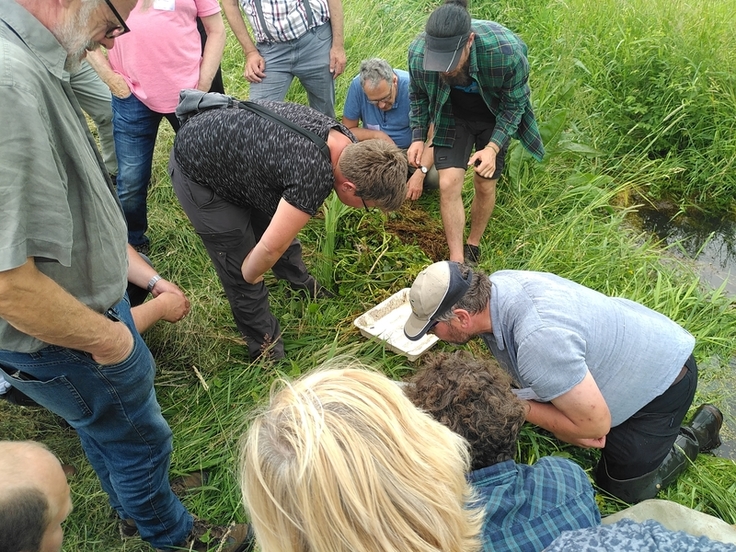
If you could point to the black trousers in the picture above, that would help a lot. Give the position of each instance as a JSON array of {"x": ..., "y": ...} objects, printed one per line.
[
  {"x": 638, "y": 445},
  {"x": 229, "y": 233}
]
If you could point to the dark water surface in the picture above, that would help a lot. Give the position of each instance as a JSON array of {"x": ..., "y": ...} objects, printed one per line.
[{"x": 711, "y": 245}]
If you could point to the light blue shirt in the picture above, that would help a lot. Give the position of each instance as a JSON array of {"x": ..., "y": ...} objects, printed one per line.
[
  {"x": 394, "y": 122},
  {"x": 548, "y": 332}
]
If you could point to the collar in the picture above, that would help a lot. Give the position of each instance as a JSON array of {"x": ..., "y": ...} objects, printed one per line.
[
  {"x": 495, "y": 315},
  {"x": 37, "y": 38}
]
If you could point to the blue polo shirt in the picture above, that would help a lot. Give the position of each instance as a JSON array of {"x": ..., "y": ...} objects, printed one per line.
[{"x": 394, "y": 122}]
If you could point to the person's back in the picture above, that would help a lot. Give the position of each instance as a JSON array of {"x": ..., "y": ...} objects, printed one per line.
[{"x": 526, "y": 506}]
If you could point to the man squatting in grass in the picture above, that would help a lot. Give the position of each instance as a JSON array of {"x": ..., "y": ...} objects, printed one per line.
[
  {"x": 377, "y": 106},
  {"x": 596, "y": 371},
  {"x": 526, "y": 507},
  {"x": 249, "y": 184},
  {"x": 470, "y": 79},
  {"x": 67, "y": 337}
]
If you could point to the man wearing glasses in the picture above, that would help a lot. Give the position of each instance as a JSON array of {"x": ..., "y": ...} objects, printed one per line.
[
  {"x": 377, "y": 106},
  {"x": 67, "y": 337},
  {"x": 249, "y": 183}
]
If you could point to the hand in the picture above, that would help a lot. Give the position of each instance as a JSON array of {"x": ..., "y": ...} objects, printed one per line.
[
  {"x": 117, "y": 348},
  {"x": 338, "y": 60},
  {"x": 484, "y": 162},
  {"x": 164, "y": 286},
  {"x": 414, "y": 153},
  {"x": 255, "y": 67},
  {"x": 599, "y": 442},
  {"x": 119, "y": 87},
  {"x": 416, "y": 185},
  {"x": 174, "y": 306}
]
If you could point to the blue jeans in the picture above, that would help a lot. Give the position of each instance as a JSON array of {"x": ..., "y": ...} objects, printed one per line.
[
  {"x": 306, "y": 58},
  {"x": 115, "y": 413},
  {"x": 134, "y": 129}
]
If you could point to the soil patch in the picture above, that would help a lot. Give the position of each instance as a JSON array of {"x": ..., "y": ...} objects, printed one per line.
[{"x": 414, "y": 226}]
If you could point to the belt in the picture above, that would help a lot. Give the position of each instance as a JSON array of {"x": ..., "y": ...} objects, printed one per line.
[{"x": 679, "y": 377}]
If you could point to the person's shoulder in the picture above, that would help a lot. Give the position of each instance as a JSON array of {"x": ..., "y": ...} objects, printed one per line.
[{"x": 562, "y": 470}]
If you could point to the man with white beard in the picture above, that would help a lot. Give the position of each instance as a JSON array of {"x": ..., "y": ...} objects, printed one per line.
[{"x": 67, "y": 338}]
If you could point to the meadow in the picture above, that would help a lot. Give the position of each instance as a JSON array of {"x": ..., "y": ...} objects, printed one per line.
[{"x": 636, "y": 101}]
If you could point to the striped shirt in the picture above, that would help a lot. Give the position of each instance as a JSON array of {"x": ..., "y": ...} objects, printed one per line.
[
  {"x": 499, "y": 65},
  {"x": 284, "y": 19},
  {"x": 527, "y": 507}
]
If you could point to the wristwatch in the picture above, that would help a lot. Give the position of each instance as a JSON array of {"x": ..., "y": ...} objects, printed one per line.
[{"x": 424, "y": 169}]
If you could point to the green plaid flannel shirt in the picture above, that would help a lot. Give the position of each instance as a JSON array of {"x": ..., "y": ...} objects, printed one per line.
[{"x": 498, "y": 64}]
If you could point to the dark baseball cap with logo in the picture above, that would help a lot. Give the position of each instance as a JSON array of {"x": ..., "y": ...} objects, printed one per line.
[{"x": 445, "y": 35}]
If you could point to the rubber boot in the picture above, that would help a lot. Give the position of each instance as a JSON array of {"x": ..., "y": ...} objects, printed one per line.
[
  {"x": 636, "y": 489},
  {"x": 705, "y": 427}
]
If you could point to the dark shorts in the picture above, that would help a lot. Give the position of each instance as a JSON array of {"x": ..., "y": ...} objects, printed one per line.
[
  {"x": 468, "y": 135},
  {"x": 638, "y": 445}
]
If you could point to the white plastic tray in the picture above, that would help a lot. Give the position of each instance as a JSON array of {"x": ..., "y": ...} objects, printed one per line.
[{"x": 386, "y": 322}]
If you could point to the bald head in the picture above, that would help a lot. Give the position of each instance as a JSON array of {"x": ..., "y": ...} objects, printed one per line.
[{"x": 34, "y": 498}]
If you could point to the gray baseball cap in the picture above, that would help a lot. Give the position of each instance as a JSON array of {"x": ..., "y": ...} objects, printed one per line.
[{"x": 434, "y": 292}]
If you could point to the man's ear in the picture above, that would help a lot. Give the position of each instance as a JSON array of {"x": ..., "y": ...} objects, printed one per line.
[
  {"x": 464, "y": 317},
  {"x": 471, "y": 38},
  {"x": 347, "y": 186}
]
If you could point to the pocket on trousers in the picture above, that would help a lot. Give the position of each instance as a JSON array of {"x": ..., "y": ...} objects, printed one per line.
[{"x": 64, "y": 401}]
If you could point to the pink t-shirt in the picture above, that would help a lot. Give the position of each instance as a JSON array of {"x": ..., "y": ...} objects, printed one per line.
[{"x": 162, "y": 52}]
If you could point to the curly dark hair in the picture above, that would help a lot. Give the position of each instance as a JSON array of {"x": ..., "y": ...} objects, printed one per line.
[{"x": 473, "y": 398}]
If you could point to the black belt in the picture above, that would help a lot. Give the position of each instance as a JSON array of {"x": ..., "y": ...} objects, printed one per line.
[{"x": 679, "y": 377}]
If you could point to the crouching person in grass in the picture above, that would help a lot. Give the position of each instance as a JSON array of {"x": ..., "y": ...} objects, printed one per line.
[
  {"x": 341, "y": 460},
  {"x": 597, "y": 371},
  {"x": 250, "y": 176},
  {"x": 526, "y": 507}
]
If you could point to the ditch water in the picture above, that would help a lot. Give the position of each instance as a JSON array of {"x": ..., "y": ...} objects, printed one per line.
[{"x": 710, "y": 244}]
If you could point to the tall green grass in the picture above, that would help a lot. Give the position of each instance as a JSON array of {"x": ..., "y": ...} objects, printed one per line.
[{"x": 635, "y": 100}]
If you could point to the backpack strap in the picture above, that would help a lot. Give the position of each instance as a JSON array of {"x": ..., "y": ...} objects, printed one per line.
[{"x": 268, "y": 114}]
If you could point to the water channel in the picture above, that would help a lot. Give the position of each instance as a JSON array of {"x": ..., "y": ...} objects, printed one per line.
[{"x": 710, "y": 244}]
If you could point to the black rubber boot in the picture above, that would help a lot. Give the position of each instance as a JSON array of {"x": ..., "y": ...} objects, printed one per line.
[
  {"x": 705, "y": 427},
  {"x": 646, "y": 486}
]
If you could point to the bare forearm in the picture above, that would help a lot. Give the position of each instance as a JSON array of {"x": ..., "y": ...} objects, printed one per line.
[
  {"x": 34, "y": 304},
  {"x": 213, "y": 49},
  {"x": 336, "y": 22},
  {"x": 114, "y": 81},
  {"x": 549, "y": 417},
  {"x": 237, "y": 24}
]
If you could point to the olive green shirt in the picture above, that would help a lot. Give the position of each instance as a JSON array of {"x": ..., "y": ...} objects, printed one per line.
[{"x": 56, "y": 204}]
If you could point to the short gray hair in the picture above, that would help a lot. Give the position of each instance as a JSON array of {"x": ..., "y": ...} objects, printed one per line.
[
  {"x": 374, "y": 71},
  {"x": 477, "y": 297}
]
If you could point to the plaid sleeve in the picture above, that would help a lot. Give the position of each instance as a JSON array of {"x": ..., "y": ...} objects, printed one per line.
[
  {"x": 418, "y": 96},
  {"x": 514, "y": 100}
]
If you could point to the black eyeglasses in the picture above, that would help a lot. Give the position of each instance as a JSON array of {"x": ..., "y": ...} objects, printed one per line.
[
  {"x": 364, "y": 205},
  {"x": 117, "y": 30},
  {"x": 385, "y": 99}
]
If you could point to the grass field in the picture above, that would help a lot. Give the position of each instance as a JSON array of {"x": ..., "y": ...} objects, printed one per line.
[{"x": 636, "y": 100}]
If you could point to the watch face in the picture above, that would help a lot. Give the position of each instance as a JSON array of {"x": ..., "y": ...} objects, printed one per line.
[{"x": 424, "y": 169}]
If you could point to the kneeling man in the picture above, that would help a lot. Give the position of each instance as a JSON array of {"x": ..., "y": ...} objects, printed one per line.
[{"x": 596, "y": 371}]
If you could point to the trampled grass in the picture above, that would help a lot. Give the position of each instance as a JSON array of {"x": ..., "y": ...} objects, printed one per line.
[{"x": 637, "y": 101}]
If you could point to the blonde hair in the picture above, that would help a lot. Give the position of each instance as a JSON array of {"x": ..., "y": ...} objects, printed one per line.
[{"x": 340, "y": 460}]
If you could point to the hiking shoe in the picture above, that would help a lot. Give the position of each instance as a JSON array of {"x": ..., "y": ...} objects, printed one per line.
[
  {"x": 314, "y": 289},
  {"x": 127, "y": 528},
  {"x": 184, "y": 483},
  {"x": 706, "y": 425},
  {"x": 471, "y": 254},
  {"x": 206, "y": 537}
]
